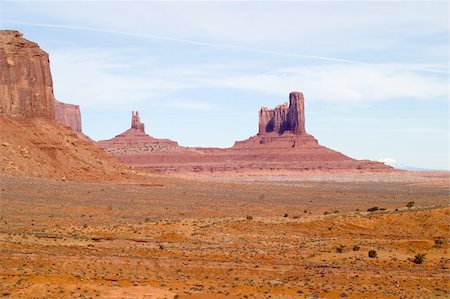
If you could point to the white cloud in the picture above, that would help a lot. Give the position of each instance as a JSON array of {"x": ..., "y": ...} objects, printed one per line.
[
  {"x": 92, "y": 77},
  {"x": 392, "y": 162},
  {"x": 350, "y": 25},
  {"x": 344, "y": 83}
]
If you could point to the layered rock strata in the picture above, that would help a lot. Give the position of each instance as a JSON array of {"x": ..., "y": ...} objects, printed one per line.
[
  {"x": 284, "y": 118},
  {"x": 135, "y": 137},
  {"x": 282, "y": 146},
  {"x": 26, "y": 88}
]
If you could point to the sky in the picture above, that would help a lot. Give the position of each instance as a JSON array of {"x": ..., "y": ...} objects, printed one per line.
[{"x": 375, "y": 75}]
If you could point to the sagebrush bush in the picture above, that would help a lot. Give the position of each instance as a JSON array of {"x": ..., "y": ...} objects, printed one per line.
[{"x": 419, "y": 258}]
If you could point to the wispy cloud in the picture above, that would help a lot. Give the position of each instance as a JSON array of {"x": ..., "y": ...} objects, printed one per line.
[
  {"x": 233, "y": 47},
  {"x": 343, "y": 83},
  {"x": 96, "y": 76}
]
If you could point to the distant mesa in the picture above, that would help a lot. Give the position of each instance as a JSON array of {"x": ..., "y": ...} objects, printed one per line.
[
  {"x": 134, "y": 137},
  {"x": 69, "y": 115},
  {"x": 282, "y": 146}
]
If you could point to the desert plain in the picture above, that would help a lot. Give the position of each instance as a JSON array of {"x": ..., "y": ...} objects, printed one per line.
[{"x": 228, "y": 237}]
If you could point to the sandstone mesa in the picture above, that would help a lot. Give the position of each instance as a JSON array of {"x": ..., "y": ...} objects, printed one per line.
[{"x": 282, "y": 145}]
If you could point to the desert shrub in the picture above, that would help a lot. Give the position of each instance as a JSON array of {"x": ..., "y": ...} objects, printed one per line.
[
  {"x": 326, "y": 213},
  {"x": 373, "y": 209},
  {"x": 439, "y": 242},
  {"x": 372, "y": 253},
  {"x": 340, "y": 249},
  {"x": 356, "y": 248},
  {"x": 383, "y": 209},
  {"x": 296, "y": 216},
  {"x": 410, "y": 204},
  {"x": 249, "y": 217},
  {"x": 285, "y": 215},
  {"x": 419, "y": 258}
]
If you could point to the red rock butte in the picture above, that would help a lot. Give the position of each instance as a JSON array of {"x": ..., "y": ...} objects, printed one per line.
[
  {"x": 26, "y": 85},
  {"x": 282, "y": 146},
  {"x": 26, "y": 88},
  {"x": 134, "y": 137}
]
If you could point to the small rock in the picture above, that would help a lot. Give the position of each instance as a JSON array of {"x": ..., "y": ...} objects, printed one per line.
[
  {"x": 5, "y": 144},
  {"x": 63, "y": 179}
]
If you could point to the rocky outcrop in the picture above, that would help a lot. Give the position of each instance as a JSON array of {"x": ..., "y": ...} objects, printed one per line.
[
  {"x": 26, "y": 88},
  {"x": 282, "y": 147},
  {"x": 136, "y": 122},
  {"x": 284, "y": 118},
  {"x": 68, "y": 115},
  {"x": 135, "y": 137}
]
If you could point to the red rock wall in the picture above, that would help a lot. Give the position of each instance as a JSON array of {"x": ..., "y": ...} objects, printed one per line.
[
  {"x": 68, "y": 115},
  {"x": 284, "y": 118},
  {"x": 26, "y": 88}
]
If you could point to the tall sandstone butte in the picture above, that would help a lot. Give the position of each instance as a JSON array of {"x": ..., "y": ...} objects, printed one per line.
[
  {"x": 26, "y": 88},
  {"x": 284, "y": 118}
]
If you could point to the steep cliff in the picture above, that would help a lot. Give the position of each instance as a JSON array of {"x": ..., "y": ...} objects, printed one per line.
[
  {"x": 68, "y": 115},
  {"x": 282, "y": 146},
  {"x": 284, "y": 118},
  {"x": 26, "y": 89}
]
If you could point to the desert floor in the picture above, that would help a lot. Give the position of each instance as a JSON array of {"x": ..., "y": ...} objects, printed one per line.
[{"x": 235, "y": 238}]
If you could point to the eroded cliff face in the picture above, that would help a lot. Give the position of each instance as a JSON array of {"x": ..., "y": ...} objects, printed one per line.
[
  {"x": 68, "y": 115},
  {"x": 26, "y": 88},
  {"x": 284, "y": 118}
]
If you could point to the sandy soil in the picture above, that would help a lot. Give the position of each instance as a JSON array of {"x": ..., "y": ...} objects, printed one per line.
[{"x": 176, "y": 238}]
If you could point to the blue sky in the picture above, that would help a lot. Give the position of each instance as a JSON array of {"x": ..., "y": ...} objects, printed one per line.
[{"x": 374, "y": 74}]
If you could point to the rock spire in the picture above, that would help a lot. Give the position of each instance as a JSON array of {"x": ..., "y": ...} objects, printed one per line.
[
  {"x": 136, "y": 122},
  {"x": 284, "y": 118}
]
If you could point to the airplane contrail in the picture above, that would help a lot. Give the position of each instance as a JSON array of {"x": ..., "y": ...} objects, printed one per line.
[{"x": 215, "y": 45}]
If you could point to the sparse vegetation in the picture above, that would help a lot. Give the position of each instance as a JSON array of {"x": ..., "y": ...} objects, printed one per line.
[
  {"x": 340, "y": 249},
  {"x": 373, "y": 209},
  {"x": 439, "y": 242},
  {"x": 419, "y": 258},
  {"x": 410, "y": 204},
  {"x": 356, "y": 248},
  {"x": 373, "y": 253},
  {"x": 249, "y": 217}
]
